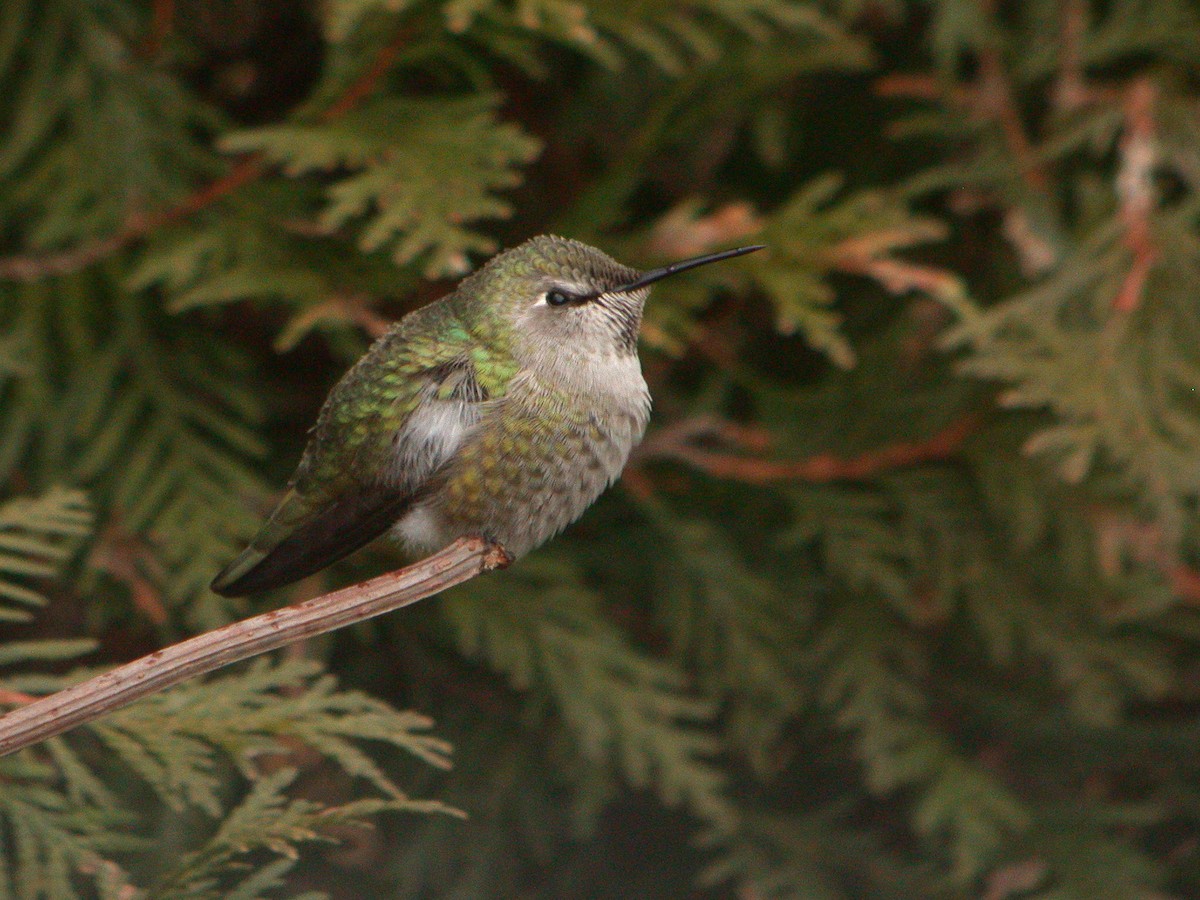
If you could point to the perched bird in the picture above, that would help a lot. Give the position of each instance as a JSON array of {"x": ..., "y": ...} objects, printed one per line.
[{"x": 502, "y": 410}]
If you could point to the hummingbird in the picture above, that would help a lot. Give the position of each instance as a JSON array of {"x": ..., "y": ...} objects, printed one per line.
[{"x": 502, "y": 410}]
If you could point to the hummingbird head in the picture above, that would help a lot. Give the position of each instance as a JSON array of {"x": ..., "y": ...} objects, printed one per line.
[{"x": 559, "y": 293}]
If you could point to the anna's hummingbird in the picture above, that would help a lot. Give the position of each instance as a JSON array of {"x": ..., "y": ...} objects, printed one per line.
[{"x": 502, "y": 410}]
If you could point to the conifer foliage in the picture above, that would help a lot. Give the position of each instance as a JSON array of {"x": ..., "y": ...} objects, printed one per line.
[{"x": 899, "y": 596}]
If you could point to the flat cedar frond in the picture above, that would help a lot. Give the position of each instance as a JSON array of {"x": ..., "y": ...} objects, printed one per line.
[
  {"x": 398, "y": 190},
  {"x": 316, "y": 274},
  {"x": 122, "y": 138},
  {"x": 636, "y": 714},
  {"x": 817, "y": 236},
  {"x": 672, "y": 38},
  {"x": 898, "y": 598},
  {"x": 907, "y": 546},
  {"x": 268, "y": 819},
  {"x": 870, "y": 690},
  {"x": 813, "y": 856},
  {"x": 728, "y": 623},
  {"x": 1083, "y": 850},
  {"x": 53, "y": 846},
  {"x": 264, "y": 710},
  {"x": 37, "y": 534},
  {"x": 1058, "y": 346},
  {"x": 155, "y": 422},
  {"x": 624, "y": 709},
  {"x": 60, "y": 816},
  {"x": 236, "y": 259}
]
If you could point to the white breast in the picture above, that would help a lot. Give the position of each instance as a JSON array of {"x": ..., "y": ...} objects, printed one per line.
[{"x": 432, "y": 434}]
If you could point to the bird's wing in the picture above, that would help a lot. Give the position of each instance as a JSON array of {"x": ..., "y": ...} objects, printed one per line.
[{"x": 388, "y": 425}]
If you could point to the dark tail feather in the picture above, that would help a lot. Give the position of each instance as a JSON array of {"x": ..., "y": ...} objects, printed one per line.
[{"x": 341, "y": 528}]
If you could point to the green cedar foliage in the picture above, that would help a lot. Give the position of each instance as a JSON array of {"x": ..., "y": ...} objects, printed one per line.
[{"x": 898, "y": 598}]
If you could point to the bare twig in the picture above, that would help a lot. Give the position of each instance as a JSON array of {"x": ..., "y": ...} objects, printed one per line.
[
  {"x": 84, "y": 702},
  {"x": 997, "y": 96},
  {"x": 36, "y": 266},
  {"x": 823, "y": 467},
  {"x": 162, "y": 18},
  {"x": 1135, "y": 187},
  {"x": 1071, "y": 90},
  {"x": 124, "y": 555},
  {"x": 366, "y": 83},
  {"x": 992, "y": 98}
]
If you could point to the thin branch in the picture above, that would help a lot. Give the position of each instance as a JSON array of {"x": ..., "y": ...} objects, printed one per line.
[
  {"x": 124, "y": 554},
  {"x": 366, "y": 83},
  {"x": 250, "y": 168},
  {"x": 1138, "y": 153},
  {"x": 1071, "y": 90},
  {"x": 84, "y": 702},
  {"x": 33, "y": 267},
  {"x": 821, "y": 468},
  {"x": 997, "y": 96},
  {"x": 992, "y": 98},
  {"x": 63, "y": 262},
  {"x": 162, "y": 18}
]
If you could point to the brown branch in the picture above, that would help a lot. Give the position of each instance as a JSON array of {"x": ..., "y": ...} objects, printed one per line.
[
  {"x": 366, "y": 83},
  {"x": 161, "y": 20},
  {"x": 1135, "y": 188},
  {"x": 64, "y": 262},
  {"x": 821, "y": 468},
  {"x": 124, "y": 555},
  {"x": 991, "y": 98},
  {"x": 998, "y": 98},
  {"x": 916, "y": 86},
  {"x": 1071, "y": 89},
  {"x": 461, "y": 561},
  {"x": 33, "y": 267}
]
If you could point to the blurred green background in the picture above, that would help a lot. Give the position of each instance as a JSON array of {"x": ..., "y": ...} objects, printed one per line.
[{"x": 899, "y": 596}]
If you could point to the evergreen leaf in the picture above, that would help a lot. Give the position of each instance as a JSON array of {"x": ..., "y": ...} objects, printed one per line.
[
  {"x": 397, "y": 187},
  {"x": 36, "y": 536}
]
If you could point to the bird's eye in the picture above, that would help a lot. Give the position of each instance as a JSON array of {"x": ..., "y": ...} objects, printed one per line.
[{"x": 557, "y": 298}]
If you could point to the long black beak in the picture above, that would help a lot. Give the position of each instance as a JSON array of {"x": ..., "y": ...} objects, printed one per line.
[{"x": 655, "y": 274}]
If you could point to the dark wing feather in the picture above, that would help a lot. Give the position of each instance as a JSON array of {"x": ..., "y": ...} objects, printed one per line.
[{"x": 345, "y": 525}]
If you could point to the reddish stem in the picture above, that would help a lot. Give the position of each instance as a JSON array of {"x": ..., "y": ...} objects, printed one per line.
[
  {"x": 162, "y": 18},
  {"x": 823, "y": 467},
  {"x": 1136, "y": 190}
]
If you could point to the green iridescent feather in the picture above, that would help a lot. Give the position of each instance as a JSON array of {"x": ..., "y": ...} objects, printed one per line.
[{"x": 348, "y": 488}]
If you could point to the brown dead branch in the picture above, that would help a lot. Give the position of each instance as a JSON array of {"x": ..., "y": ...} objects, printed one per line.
[{"x": 43, "y": 718}]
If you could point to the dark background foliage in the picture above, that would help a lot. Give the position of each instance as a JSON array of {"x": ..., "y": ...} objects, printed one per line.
[{"x": 897, "y": 599}]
